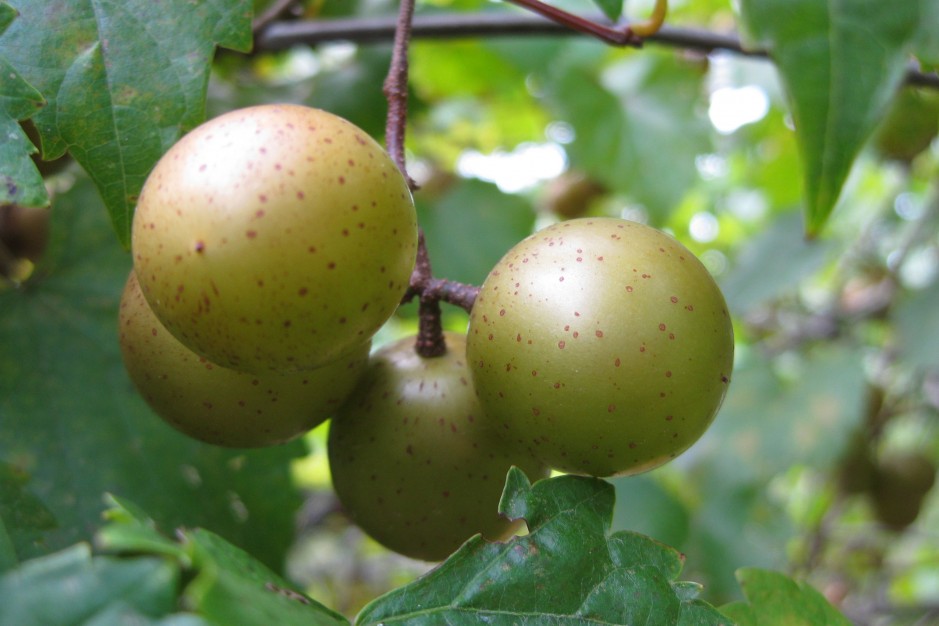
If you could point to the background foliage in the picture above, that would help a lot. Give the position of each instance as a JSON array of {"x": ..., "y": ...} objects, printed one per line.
[{"x": 821, "y": 463}]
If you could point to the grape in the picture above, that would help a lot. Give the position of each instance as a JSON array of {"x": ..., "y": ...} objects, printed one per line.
[
  {"x": 602, "y": 345},
  {"x": 413, "y": 459},
  {"x": 219, "y": 405},
  {"x": 274, "y": 238}
]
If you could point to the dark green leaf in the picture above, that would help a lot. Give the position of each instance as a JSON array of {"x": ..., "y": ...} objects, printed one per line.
[
  {"x": 841, "y": 63},
  {"x": 776, "y": 600},
  {"x": 20, "y": 181},
  {"x": 72, "y": 587},
  {"x": 568, "y": 570},
  {"x": 123, "y": 80},
  {"x": 74, "y": 427}
]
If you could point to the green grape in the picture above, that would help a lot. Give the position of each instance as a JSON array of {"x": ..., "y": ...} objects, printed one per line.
[
  {"x": 602, "y": 345},
  {"x": 219, "y": 405},
  {"x": 274, "y": 238},
  {"x": 413, "y": 459}
]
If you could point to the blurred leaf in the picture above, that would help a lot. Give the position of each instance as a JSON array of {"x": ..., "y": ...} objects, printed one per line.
[
  {"x": 72, "y": 587},
  {"x": 354, "y": 90},
  {"x": 841, "y": 64},
  {"x": 927, "y": 44},
  {"x": 638, "y": 127},
  {"x": 918, "y": 327},
  {"x": 74, "y": 428},
  {"x": 23, "y": 517},
  {"x": 20, "y": 182},
  {"x": 776, "y": 600},
  {"x": 470, "y": 227},
  {"x": 644, "y": 505},
  {"x": 768, "y": 422},
  {"x": 568, "y": 570},
  {"x": 773, "y": 264},
  {"x": 123, "y": 80},
  {"x": 481, "y": 97}
]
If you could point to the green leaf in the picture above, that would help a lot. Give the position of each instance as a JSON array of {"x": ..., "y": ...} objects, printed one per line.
[
  {"x": 568, "y": 570},
  {"x": 20, "y": 182},
  {"x": 72, "y": 587},
  {"x": 75, "y": 428},
  {"x": 776, "y": 600},
  {"x": 841, "y": 63},
  {"x": 123, "y": 79}
]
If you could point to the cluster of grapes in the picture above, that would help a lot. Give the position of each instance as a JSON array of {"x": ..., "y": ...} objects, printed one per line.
[{"x": 271, "y": 243}]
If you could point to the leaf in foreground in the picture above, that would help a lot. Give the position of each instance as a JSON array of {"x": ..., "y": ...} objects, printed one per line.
[
  {"x": 20, "y": 181},
  {"x": 841, "y": 64},
  {"x": 228, "y": 586},
  {"x": 569, "y": 570},
  {"x": 776, "y": 600},
  {"x": 123, "y": 80}
]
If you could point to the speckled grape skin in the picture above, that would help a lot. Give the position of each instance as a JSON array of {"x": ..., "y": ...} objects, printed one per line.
[
  {"x": 413, "y": 459},
  {"x": 274, "y": 238},
  {"x": 603, "y": 345},
  {"x": 222, "y": 406}
]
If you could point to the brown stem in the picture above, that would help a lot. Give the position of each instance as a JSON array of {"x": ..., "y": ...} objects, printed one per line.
[
  {"x": 396, "y": 89},
  {"x": 616, "y": 36},
  {"x": 430, "y": 341}
]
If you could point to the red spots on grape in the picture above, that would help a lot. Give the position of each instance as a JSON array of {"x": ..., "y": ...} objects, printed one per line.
[
  {"x": 302, "y": 291},
  {"x": 599, "y": 334},
  {"x": 251, "y": 234},
  {"x": 629, "y": 288},
  {"x": 668, "y": 374},
  {"x": 331, "y": 265},
  {"x": 610, "y": 408},
  {"x": 662, "y": 327},
  {"x": 617, "y": 362},
  {"x": 674, "y": 299},
  {"x": 561, "y": 345},
  {"x": 199, "y": 246},
  {"x": 259, "y": 213},
  {"x": 501, "y": 312}
]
